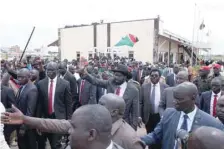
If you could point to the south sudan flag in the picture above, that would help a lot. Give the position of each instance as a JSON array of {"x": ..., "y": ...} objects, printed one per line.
[{"x": 128, "y": 40}]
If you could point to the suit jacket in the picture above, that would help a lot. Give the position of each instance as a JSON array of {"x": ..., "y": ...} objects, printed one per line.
[
  {"x": 7, "y": 97},
  {"x": 145, "y": 104},
  {"x": 26, "y": 100},
  {"x": 125, "y": 136},
  {"x": 165, "y": 131},
  {"x": 131, "y": 98},
  {"x": 88, "y": 94},
  {"x": 62, "y": 99},
  {"x": 170, "y": 80},
  {"x": 73, "y": 85},
  {"x": 205, "y": 101}
]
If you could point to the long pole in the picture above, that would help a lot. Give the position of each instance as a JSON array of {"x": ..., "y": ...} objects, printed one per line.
[
  {"x": 192, "y": 46},
  {"x": 27, "y": 44}
]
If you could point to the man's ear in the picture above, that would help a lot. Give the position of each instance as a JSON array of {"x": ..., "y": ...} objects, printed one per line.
[
  {"x": 92, "y": 135},
  {"x": 114, "y": 112}
]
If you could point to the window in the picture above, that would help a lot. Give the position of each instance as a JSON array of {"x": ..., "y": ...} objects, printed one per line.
[
  {"x": 78, "y": 56},
  {"x": 131, "y": 54}
]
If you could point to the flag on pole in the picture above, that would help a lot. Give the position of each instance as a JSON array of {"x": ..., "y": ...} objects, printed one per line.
[
  {"x": 128, "y": 40},
  {"x": 202, "y": 26}
]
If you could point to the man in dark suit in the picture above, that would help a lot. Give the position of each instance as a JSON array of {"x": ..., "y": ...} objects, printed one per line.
[
  {"x": 167, "y": 99},
  {"x": 64, "y": 74},
  {"x": 26, "y": 100},
  {"x": 7, "y": 99},
  {"x": 171, "y": 78},
  {"x": 87, "y": 91},
  {"x": 54, "y": 100},
  {"x": 149, "y": 102},
  {"x": 208, "y": 99},
  {"x": 185, "y": 116},
  {"x": 119, "y": 85}
]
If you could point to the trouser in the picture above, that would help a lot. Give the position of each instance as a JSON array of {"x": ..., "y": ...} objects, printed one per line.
[
  {"x": 150, "y": 125},
  {"x": 28, "y": 140}
]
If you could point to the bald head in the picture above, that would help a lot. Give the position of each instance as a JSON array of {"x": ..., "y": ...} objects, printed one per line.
[
  {"x": 186, "y": 88},
  {"x": 206, "y": 138},
  {"x": 182, "y": 76},
  {"x": 93, "y": 117},
  {"x": 52, "y": 65},
  {"x": 52, "y": 69},
  {"x": 115, "y": 104}
]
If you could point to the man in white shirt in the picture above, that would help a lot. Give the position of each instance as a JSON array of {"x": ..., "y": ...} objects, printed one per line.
[
  {"x": 185, "y": 116},
  {"x": 208, "y": 99}
]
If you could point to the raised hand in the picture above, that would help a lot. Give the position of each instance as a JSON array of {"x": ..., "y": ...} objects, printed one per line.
[{"x": 12, "y": 118}]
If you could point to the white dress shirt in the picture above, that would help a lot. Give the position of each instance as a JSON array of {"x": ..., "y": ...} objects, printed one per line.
[
  {"x": 157, "y": 96},
  {"x": 54, "y": 88},
  {"x": 77, "y": 76},
  {"x": 3, "y": 144},
  {"x": 111, "y": 145},
  {"x": 123, "y": 88},
  {"x": 190, "y": 120},
  {"x": 212, "y": 101}
]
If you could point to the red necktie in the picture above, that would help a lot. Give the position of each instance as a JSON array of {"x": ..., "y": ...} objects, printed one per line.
[
  {"x": 50, "y": 99},
  {"x": 81, "y": 89},
  {"x": 214, "y": 105},
  {"x": 118, "y": 90}
]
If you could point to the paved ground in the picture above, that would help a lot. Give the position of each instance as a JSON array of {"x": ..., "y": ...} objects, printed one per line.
[{"x": 141, "y": 131}]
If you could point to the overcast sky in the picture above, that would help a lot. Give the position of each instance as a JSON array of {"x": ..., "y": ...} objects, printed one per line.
[{"x": 19, "y": 16}]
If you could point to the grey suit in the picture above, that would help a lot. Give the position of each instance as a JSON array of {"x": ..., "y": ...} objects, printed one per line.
[
  {"x": 131, "y": 98},
  {"x": 145, "y": 104},
  {"x": 167, "y": 100}
]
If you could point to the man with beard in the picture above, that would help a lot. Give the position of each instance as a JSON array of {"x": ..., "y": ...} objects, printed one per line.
[
  {"x": 185, "y": 116},
  {"x": 119, "y": 86},
  {"x": 89, "y": 128}
]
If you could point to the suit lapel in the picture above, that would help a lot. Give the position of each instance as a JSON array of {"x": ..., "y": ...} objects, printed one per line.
[
  {"x": 161, "y": 88},
  {"x": 45, "y": 86},
  {"x": 147, "y": 93},
  {"x": 126, "y": 92},
  {"x": 57, "y": 86},
  {"x": 197, "y": 118},
  {"x": 209, "y": 96}
]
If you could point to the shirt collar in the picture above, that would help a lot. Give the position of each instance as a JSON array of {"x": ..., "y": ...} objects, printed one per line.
[
  {"x": 190, "y": 115},
  {"x": 110, "y": 146},
  {"x": 219, "y": 94},
  {"x": 156, "y": 85},
  {"x": 124, "y": 84},
  {"x": 53, "y": 79}
]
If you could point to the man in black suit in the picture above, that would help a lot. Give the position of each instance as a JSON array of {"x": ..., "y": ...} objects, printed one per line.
[
  {"x": 55, "y": 100},
  {"x": 26, "y": 100},
  {"x": 151, "y": 94},
  {"x": 171, "y": 78},
  {"x": 7, "y": 99},
  {"x": 87, "y": 91},
  {"x": 119, "y": 85},
  {"x": 208, "y": 99},
  {"x": 64, "y": 74}
]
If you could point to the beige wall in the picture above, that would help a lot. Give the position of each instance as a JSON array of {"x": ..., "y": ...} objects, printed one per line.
[
  {"x": 76, "y": 39},
  {"x": 81, "y": 39},
  {"x": 144, "y": 30}
]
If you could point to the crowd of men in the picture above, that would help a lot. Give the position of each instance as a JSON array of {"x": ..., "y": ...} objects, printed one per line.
[{"x": 101, "y": 104}]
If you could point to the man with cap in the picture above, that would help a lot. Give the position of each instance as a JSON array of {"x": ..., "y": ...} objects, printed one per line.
[
  {"x": 216, "y": 70},
  {"x": 185, "y": 116},
  {"x": 119, "y": 86},
  {"x": 203, "y": 82},
  {"x": 206, "y": 138}
]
